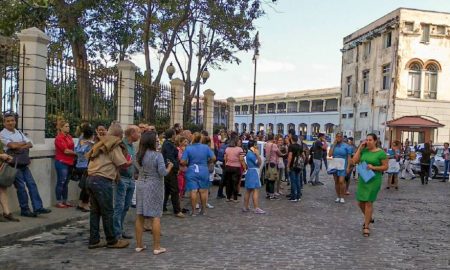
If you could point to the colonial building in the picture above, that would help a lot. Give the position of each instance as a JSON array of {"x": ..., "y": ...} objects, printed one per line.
[
  {"x": 398, "y": 66},
  {"x": 308, "y": 112}
]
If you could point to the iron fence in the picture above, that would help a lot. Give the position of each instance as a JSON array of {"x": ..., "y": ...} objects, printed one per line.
[
  {"x": 9, "y": 74},
  {"x": 64, "y": 93},
  {"x": 154, "y": 110}
]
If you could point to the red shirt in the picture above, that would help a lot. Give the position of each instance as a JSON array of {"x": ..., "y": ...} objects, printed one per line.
[{"x": 63, "y": 142}]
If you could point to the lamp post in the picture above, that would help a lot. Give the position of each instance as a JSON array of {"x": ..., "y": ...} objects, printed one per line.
[
  {"x": 170, "y": 70},
  {"x": 205, "y": 75},
  {"x": 255, "y": 61}
]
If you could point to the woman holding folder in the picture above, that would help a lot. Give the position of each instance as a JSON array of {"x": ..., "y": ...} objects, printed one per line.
[{"x": 368, "y": 189}]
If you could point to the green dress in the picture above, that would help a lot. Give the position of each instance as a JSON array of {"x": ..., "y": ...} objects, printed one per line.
[{"x": 367, "y": 192}]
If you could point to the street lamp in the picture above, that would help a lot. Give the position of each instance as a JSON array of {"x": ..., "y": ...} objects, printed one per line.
[
  {"x": 170, "y": 70},
  {"x": 205, "y": 75},
  {"x": 255, "y": 61}
]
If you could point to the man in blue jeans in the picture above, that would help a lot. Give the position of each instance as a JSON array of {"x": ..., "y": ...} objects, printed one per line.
[
  {"x": 317, "y": 149},
  {"x": 16, "y": 141},
  {"x": 295, "y": 151},
  {"x": 105, "y": 159},
  {"x": 124, "y": 189}
]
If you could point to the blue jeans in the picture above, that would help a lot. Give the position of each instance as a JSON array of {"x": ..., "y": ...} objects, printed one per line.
[
  {"x": 296, "y": 185},
  {"x": 62, "y": 181},
  {"x": 25, "y": 178},
  {"x": 101, "y": 197},
  {"x": 446, "y": 167},
  {"x": 122, "y": 202},
  {"x": 315, "y": 174}
]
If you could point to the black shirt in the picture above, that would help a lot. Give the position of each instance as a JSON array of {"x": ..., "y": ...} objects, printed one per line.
[
  {"x": 170, "y": 152},
  {"x": 317, "y": 150},
  {"x": 296, "y": 150}
]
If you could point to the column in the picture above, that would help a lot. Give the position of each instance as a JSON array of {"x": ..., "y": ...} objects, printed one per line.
[
  {"x": 324, "y": 104},
  {"x": 176, "y": 115},
  {"x": 208, "y": 110},
  {"x": 32, "y": 80},
  {"x": 230, "y": 104},
  {"x": 125, "y": 110}
]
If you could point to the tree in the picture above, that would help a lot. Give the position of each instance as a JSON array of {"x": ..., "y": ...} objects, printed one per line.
[{"x": 228, "y": 26}]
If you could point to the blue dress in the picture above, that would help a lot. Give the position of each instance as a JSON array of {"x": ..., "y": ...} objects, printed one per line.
[
  {"x": 197, "y": 174},
  {"x": 252, "y": 176},
  {"x": 342, "y": 150}
]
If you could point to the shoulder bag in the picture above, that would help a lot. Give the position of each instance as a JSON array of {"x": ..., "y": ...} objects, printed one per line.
[
  {"x": 7, "y": 174},
  {"x": 21, "y": 157}
]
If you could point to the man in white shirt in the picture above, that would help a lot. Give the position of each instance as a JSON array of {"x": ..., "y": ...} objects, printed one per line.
[{"x": 15, "y": 142}]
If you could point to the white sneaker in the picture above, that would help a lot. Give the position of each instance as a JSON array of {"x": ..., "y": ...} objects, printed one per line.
[
  {"x": 209, "y": 206},
  {"x": 337, "y": 200},
  {"x": 342, "y": 200}
]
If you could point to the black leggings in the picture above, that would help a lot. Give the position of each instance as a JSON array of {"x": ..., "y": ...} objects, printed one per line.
[
  {"x": 424, "y": 169},
  {"x": 232, "y": 175}
]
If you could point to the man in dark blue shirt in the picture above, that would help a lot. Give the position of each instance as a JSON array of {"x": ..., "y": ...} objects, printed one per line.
[{"x": 170, "y": 153}]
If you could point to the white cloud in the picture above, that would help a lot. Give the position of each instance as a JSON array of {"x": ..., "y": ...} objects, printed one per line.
[{"x": 271, "y": 66}]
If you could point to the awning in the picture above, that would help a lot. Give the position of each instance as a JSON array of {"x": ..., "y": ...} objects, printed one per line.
[{"x": 415, "y": 121}]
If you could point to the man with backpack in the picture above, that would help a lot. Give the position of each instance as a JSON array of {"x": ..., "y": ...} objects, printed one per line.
[
  {"x": 317, "y": 155},
  {"x": 221, "y": 158},
  {"x": 296, "y": 163}
]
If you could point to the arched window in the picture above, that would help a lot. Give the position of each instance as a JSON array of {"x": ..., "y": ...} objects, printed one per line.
[
  {"x": 236, "y": 127},
  {"x": 302, "y": 129},
  {"x": 431, "y": 81},
  {"x": 315, "y": 128},
  {"x": 260, "y": 127},
  {"x": 329, "y": 128},
  {"x": 270, "y": 128},
  {"x": 290, "y": 126},
  {"x": 280, "y": 128},
  {"x": 244, "y": 127},
  {"x": 414, "y": 78}
]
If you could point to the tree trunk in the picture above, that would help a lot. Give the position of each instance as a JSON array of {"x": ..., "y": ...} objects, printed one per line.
[{"x": 83, "y": 82}]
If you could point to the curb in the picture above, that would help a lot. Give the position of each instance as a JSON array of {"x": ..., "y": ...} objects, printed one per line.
[{"x": 12, "y": 238}]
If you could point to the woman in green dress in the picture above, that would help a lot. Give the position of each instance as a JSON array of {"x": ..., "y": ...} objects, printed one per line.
[{"x": 367, "y": 192}]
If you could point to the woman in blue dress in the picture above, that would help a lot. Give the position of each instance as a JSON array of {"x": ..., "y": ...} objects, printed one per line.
[
  {"x": 252, "y": 179},
  {"x": 394, "y": 165},
  {"x": 340, "y": 150},
  {"x": 196, "y": 158}
]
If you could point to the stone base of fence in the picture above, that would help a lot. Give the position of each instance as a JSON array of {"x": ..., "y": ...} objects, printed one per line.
[{"x": 43, "y": 169}]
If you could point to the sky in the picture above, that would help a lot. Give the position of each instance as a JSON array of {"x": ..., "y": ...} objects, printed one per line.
[{"x": 300, "y": 45}]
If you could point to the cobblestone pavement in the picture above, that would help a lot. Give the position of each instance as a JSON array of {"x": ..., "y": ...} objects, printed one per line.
[{"x": 411, "y": 231}]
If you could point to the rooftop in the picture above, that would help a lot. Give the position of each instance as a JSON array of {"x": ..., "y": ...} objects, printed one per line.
[{"x": 302, "y": 94}]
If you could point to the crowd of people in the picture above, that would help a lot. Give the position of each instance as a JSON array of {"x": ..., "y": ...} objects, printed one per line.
[{"x": 117, "y": 169}]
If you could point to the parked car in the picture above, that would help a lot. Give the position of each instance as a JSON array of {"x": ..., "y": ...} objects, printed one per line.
[{"x": 438, "y": 165}]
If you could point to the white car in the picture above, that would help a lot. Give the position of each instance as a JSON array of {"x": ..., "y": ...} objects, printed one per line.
[{"x": 438, "y": 165}]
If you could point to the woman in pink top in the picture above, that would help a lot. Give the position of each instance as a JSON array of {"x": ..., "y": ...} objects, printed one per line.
[{"x": 234, "y": 160}]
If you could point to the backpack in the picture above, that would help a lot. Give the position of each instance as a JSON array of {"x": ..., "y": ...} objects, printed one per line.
[
  {"x": 298, "y": 163},
  {"x": 221, "y": 152}
]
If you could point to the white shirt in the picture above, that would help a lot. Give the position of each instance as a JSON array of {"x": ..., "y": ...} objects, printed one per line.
[{"x": 7, "y": 136}]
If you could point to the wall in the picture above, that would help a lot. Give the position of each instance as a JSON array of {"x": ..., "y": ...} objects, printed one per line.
[{"x": 43, "y": 169}]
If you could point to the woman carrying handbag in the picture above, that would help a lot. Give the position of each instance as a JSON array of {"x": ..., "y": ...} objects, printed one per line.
[{"x": 6, "y": 179}]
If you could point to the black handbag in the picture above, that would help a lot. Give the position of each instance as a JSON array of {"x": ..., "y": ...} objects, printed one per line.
[
  {"x": 21, "y": 157},
  {"x": 7, "y": 174}
]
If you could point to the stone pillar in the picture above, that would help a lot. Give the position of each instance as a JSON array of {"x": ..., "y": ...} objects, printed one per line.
[
  {"x": 208, "y": 110},
  {"x": 32, "y": 81},
  {"x": 125, "y": 108},
  {"x": 176, "y": 115},
  {"x": 324, "y": 104},
  {"x": 230, "y": 121}
]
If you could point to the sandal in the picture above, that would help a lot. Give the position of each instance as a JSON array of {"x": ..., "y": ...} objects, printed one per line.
[
  {"x": 159, "y": 251},
  {"x": 138, "y": 249},
  {"x": 366, "y": 231}
]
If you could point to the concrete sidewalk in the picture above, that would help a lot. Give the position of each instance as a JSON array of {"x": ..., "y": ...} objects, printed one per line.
[{"x": 11, "y": 232}]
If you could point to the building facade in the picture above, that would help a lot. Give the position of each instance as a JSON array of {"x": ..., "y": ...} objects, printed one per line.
[
  {"x": 397, "y": 66},
  {"x": 308, "y": 112}
]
